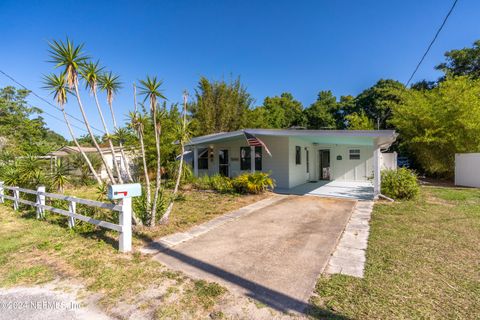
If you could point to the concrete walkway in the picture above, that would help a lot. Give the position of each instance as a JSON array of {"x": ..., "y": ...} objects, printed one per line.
[
  {"x": 349, "y": 256},
  {"x": 273, "y": 254}
]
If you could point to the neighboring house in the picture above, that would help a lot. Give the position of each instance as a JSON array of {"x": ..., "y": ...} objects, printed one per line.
[
  {"x": 67, "y": 151},
  {"x": 298, "y": 156}
]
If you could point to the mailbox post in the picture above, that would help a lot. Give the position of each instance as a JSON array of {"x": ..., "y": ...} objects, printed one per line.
[{"x": 125, "y": 192}]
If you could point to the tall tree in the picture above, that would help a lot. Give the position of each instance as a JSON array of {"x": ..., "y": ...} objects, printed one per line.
[
  {"x": 71, "y": 58},
  {"x": 90, "y": 72},
  {"x": 377, "y": 101},
  {"x": 220, "y": 106},
  {"x": 150, "y": 88},
  {"x": 183, "y": 134},
  {"x": 462, "y": 62},
  {"x": 320, "y": 114},
  {"x": 435, "y": 124},
  {"x": 22, "y": 128},
  {"x": 58, "y": 87},
  {"x": 283, "y": 111},
  {"x": 110, "y": 83}
]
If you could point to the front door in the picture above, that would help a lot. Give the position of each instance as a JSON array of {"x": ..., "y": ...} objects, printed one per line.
[
  {"x": 324, "y": 156},
  {"x": 223, "y": 166}
]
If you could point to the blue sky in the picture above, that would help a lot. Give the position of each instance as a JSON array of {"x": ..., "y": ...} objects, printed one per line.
[{"x": 274, "y": 46}]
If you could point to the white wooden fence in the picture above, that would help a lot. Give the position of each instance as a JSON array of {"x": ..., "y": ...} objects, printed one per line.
[
  {"x": 467, "y": 172},
  {"x": 124, "y": 208}
]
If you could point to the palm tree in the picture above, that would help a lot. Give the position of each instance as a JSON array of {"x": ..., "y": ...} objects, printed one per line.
[
  {"x": 183, "y": 139},
  {"x": 151, "y": 89},
  {"x": 58, "y": 87},
  {"x": 59, "y": 178},
  {"x": 71, "y": 57},
  {"x": 110, "y": 84},
  {"x": 90, "y": 72},
  {"x": 138, "y": 123}
]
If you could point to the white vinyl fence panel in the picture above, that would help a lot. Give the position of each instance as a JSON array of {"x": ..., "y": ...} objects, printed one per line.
[
  {"x": 467, "y": 169},
  {"x": 388, "y": 161},
  {"x": 124, "y": 208}
]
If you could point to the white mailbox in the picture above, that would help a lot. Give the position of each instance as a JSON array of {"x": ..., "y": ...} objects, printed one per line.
[{"x": 120, "y": 191}]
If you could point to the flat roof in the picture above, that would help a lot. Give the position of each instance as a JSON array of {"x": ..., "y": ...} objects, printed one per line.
[{"x": 384, "y": 138}]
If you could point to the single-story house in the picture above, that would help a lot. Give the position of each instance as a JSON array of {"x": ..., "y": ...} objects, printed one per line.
[
  {"x": 298, "y": 156},
  {"x": 67, "y": 151}
]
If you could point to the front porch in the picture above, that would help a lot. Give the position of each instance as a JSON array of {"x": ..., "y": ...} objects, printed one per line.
[{"x": 359, "y": 190}]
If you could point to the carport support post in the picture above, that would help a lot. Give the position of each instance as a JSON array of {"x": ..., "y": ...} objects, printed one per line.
[
  {"x": 376, "y": 172},
  {"x": 125, "y": 240},
  {"x": 195, "y": 161},
  {"x": 252, "y": 159}
]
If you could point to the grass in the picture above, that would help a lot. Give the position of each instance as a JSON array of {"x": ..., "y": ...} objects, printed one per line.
[
  {"x": 195, "y": 207},
  {"x": 423, "y": 262},
  {"x": 35, "y": 251}
]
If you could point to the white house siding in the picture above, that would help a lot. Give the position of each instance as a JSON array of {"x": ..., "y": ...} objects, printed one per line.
[
  {"x": 467, "y": 172},
  {"x": 277, "y": 164},
  {"x": 297, "y": 173},
  {"x": 351, "y": 170}
]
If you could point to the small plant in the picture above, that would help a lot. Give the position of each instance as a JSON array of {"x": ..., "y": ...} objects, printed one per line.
[
  {"x": 255, "y": 183},
  {"x": 400, "y": 184},
  {"x": 216, "y": 182},
  {"x": 60, "y": 176}
]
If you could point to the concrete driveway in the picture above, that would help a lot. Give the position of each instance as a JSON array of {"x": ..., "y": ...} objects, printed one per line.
[{"x": 273, "y": 254}]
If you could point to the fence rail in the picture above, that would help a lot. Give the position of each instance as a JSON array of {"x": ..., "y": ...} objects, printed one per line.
[{"x": 125, "y": 209}]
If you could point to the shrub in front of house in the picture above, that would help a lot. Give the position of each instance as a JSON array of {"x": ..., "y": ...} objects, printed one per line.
[
  {"x": 254, "y": 183},
  {"x": 400, "y": 184},
  {"x": 216, "y": 182}
]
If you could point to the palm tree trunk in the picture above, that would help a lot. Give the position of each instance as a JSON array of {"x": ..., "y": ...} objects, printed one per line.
[
  {"x": 124, "y": 157},
  {"x": 145, "y": 170},
  {"x": 166, "y": 215},
  {"x": 157, "y": 131},
  {"x": 92, "y": 136},
  {"x": 112, "y": 150},
  {"x": 87, "y": 160}
]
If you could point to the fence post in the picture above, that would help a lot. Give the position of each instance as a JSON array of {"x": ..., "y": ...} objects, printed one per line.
[
  {"x": 72, "y": 207},
  {"x": 16, "y": 196},
  {"x": 125, "y": 217},
  {"x": 1, "y": 192},
  {"x": 40, "y": 202}
]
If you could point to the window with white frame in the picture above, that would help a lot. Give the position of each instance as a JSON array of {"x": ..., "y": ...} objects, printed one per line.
[{"x": 354, "y": 154}]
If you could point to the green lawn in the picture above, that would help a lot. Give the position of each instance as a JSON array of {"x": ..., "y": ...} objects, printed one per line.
[{"x": 423, "y": 262}]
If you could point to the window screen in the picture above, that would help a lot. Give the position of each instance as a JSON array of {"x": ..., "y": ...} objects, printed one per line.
[
  {"x": 245, "y": 160},
  {"x": 354, "y": 154}
]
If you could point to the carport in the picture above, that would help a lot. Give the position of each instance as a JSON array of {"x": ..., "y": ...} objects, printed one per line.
[{"x": 359, "y": 190}]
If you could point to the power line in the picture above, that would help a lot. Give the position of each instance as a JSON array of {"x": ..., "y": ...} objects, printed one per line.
[
  {"x": 50, "y": 104},
  {"x": 431, "y": 43}
]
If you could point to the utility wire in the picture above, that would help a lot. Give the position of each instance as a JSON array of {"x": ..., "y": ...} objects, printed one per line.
[
  {"x": 431, "y": 43},
  {"x": 49, "y": 103}
]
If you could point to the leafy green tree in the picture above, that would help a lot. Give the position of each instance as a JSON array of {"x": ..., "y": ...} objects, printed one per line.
[
  {"x": 359, "y": 121},
  {"x": 462, "y": 62},
  {"x": 345, "y": 107},
  {"x": 320, "y": 114},
  {"x": 283, "y": 111},
  {"x": 258, "y": 118},
  {"x": 436, "y": 124},
  {"x": 220, "y": 106},
  {"x": 22, "y": 129},
  {"x": 377, "y": 101}
]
